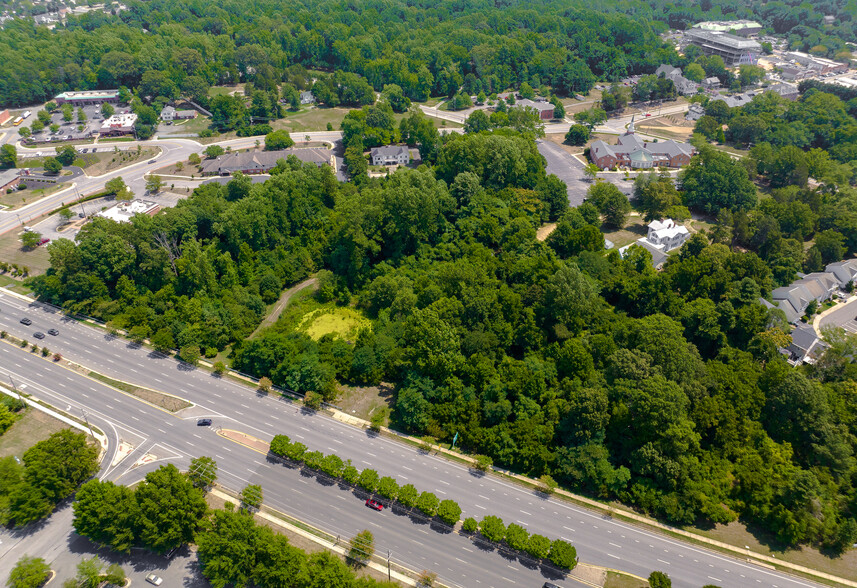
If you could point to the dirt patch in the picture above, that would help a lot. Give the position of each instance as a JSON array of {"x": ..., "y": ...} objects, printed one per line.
[
  {"x": 362, "y": 401},
  {"x": 277, "y": 308},
  {"x": 165, "y": 401},
  {"x": 32, "y": 427},
  {"x": 544, "y": 231},
  {"x": 245, "y": 439}
]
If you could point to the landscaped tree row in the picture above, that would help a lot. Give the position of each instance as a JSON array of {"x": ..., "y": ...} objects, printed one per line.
[{"x": 560, "y": 552}]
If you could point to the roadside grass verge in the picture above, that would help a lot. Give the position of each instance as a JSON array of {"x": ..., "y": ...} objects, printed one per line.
[{"x": 165, "y": 401}]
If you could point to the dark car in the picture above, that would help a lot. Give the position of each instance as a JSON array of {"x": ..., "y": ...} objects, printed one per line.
[
  {"x": 203, "y": 422},
  {"x": 372, "y": 503},
  {"x": 39, "y": 335},
  {"x": 550, "y": 585},
  {"x": 151, "y": 161},
  {"x": 26, "y": 321},
  {"x": 53, "y": 332}
]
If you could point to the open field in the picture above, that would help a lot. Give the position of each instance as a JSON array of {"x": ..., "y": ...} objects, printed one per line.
[
  {"x": 20, "y": 198},
  {"x": 342, "y": 322},
  {"x": 633, "y": 230},
  {"x": 111, "y": 160},
  {"x": 194, "y": 125},
  {"x": 364, "y": 401},
  {"x": 311, "y": 119},
  {"x": 32, "y": 427},
  {"x": 737, "y": 534},
  {"x": 37, "y": 260}
]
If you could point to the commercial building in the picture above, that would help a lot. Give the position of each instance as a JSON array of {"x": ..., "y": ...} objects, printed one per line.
[
  {"x": 5, "y": 117},
  {"x": 683, "y": 85},
  {"x": 631, "y": 151},
  {"x": 123, "y": 212},
  {"x": 543, "y": 107},
  {"x": 819, "y": 65},
  {"x": 390, "y": 155},
  {"x": 9, "y": 178},
  {"x": 88, "y": 98},
  {"x": 744, "y": 28},
  {"x": 733, "y": 49},
  {"x": 261, "y": 162},
  {"x": 118, "y": 124}
]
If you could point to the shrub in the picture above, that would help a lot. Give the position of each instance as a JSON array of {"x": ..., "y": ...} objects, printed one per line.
[
  {"x": 483, "y": 463},
  {"x": 57, "y": 357},
  {"x": 408, "y": 495},
  {"x": 265, "y": 384},
  {"x": 313, "y": 400},
  {"x": 45, "y": 352},
  {"x": 492, "y": 528},
  {"x": 219, "y": 368},
  {"x": 388, "y": 487},
  {"x": 23, "y": 343},
  {"x": 563, "y": 554},
  {"x": 427, "y": 503},
  {"x": 350, "y": 474},
  {"x": 659, "y": 580},
  {"x": 313, "y": 459},
  {"x": 539, "y": 546},
  {"x": 517, "y": 537},
  {"x": 280, "y": 445},
  {"x": 29, "y": 572},
  {"x": 449, "y": 512},
  {"x": 470, "y": 526},
  {"x": 547, "y": 485},
  {"x": 368, "y": 480}
]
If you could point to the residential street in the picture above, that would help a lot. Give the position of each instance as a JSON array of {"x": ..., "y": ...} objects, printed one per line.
[{"x": 175, "y": 438}]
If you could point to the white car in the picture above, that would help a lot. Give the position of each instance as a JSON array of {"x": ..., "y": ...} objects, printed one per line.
[{"x": 153, "y": 579}]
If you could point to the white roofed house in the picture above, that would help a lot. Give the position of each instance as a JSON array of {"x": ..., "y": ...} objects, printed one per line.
[{"x": 667, "y": 234}]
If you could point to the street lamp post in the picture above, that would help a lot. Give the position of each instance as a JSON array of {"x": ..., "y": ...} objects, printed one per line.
[{"x": 86, "y": 420}]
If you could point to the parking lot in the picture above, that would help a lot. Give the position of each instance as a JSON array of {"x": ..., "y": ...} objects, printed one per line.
[
  {"x": 69, "y": 130},
  {"x": 845, "y": 316}
]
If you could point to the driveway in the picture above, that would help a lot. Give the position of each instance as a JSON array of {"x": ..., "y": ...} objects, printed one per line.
[{"x": 570, "y": 170}]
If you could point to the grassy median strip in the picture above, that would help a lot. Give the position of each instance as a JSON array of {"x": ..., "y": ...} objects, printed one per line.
[{"x": 165, "y": 401}]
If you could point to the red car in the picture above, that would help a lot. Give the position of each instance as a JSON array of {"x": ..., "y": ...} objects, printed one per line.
[
  {"x": 44, "y": 241},
  {"x": 372, "y": 503}
]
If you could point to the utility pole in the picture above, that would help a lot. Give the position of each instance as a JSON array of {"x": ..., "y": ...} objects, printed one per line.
[
  {"x": 15, "y": 390},
  {"x": 388, "y": 566},
  {"x": 86, "y": 420}
]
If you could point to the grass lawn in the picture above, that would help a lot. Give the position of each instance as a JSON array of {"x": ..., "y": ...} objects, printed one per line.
[
  {"x": 32, "y": 427},
  {"x": 633, "y": 230},
  {"x": 311, "y": 119},
  {"x": 190, "y": 126},
  {"x": 738, "y": 534},
  {"x": 619, "y": 580},
  {"x": 116, "y": 139},
  {"x": 225, "y": 90},
  {"x": 101, "y": 163},
  {"x": 20, "y": 198},
  {"x": 14, "y": 285},
  {"x": 37, "y": 260}
]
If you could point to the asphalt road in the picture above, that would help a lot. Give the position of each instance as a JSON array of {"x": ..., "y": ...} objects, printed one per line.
[
  {"x": 845, "y": 316},
  {"x": 599, "y": 539}
]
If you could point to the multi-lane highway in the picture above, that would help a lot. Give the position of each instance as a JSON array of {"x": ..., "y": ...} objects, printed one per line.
[{"x": 599, "y": 540}]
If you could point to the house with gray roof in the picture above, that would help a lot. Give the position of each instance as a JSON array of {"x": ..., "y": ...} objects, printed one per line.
[
  {"x": 542, "y": 107},
  {"x": 390, "y": 155},
  {"x": 806, "y": 345},
  {"x": 845, "y": 271},
  {"x": 262, "y": 162},
  {"x": 683, "y": 85},
  {"x": 794, "y": 298}
]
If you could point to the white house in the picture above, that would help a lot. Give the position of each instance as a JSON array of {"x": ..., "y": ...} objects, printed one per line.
[
  {"x": 667, "y": 235},
  {"x": 307, "y": 98},
  {"x": 169, "y": 113},
  {"x": 390, "y": 155}
]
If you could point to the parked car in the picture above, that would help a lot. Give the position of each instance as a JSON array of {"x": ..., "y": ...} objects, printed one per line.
[
  {"x": 374, "y": 504},
  {"x": 203, "y": 423},
  {"x": 44, "y": 241},
  {"x": 53, "y": 332},
  {"x": 153, "y": 579},
  {"x": 39, "y": 335},
  {"x": 26, "y": 321}
]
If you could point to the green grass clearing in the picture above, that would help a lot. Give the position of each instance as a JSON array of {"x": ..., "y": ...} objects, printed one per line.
[
  {"x": 36, "y": 260},
  {"x": 330, "y": 320},
  {"x": 620, "y": 580},
  {"x": 32, "y": 427},
  {"x": 311, "y": 119}
]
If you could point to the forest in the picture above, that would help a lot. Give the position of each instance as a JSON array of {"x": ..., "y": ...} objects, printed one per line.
[
  {"x": 163, "y": 48},
  {"x": 664, "y": 390}
]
